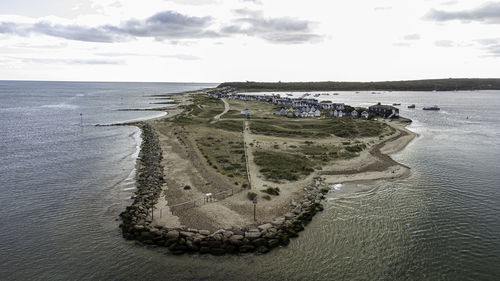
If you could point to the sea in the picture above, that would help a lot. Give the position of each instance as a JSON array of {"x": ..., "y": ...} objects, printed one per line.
[{"x": 64, "y": 181}]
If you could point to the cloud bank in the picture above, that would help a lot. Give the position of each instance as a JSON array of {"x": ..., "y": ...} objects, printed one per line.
[
  {"x": 285, "y": 30},
  {"x": 170, "y": 25},
  {"x": 487, "y": 13},
  {"x": 161, "y": 26}
]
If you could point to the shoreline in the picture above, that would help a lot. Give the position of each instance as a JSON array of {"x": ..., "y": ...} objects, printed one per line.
[{"x": 138, "y": 224}]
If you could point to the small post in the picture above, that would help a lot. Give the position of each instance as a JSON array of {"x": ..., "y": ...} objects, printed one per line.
[{"x": 81, "y": 119}]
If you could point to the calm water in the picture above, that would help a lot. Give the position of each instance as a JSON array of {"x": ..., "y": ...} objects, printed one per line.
[{"x": 62, "y": 187}]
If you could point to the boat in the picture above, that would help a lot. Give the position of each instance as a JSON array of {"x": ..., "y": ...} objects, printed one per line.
[
  {"x": 432, "y": 108},
  {"x": 411, "y": 106},
  {"x": 396, "y": 104}
]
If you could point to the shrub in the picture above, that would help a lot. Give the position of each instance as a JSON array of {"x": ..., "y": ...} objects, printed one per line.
[
  {"x": 267, "y": 197},
  {"x": 272, "y": 191},
  {"x": 187, "y": 187},
  {"x": 251, "y": 195}
]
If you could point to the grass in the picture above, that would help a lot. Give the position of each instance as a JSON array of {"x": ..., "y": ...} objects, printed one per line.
[
  {"x": 224, "y": 152},
  {"x": 229, "y": 125},
  {"x": 278, "y": 166}
]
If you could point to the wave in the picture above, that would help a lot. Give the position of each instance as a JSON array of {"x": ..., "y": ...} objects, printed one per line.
[{"x": 60, "y": 106}]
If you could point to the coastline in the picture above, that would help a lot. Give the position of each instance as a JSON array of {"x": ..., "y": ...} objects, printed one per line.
[{"x": 292, "y": 217}]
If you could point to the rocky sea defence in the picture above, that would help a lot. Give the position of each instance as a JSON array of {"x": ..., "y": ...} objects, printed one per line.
[{"x": 137, "y": 223}]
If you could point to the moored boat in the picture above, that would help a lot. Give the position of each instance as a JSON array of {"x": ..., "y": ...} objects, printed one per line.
[
  {"x": 411, "y": 106},
  {"x": 432, "y": 108}
]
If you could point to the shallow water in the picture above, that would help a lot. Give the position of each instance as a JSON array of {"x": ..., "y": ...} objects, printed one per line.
[{"x": 63, "y": 186}]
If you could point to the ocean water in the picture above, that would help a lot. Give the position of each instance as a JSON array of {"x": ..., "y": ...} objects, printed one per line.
[{"x": 63, "y": 185}]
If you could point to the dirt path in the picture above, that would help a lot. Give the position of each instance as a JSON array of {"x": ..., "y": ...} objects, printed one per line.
[
  {"x": 253, "y": 179},
  {"x": 218, "y": 116}
]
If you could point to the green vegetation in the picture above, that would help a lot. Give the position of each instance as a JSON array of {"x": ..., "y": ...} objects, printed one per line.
[
  {"x": 224, "y": 152},
  {"x": 307, "y": 128},
  {"x": 323, "y": 154},
  {"x": 272, "y": 191},
  {"x": 204, "y": 107},
  {"x": 410, "y": 85},
  {"x": 229, "y": 125},
  {"x": 277, "y": 166},
  {"x": 251, "y": 195},
  {"x": 355, "y": 148},
  {"x": 267, "y": 197}
]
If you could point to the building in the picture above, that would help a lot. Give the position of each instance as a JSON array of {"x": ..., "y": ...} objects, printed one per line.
[{"x": 386, "y": 111}]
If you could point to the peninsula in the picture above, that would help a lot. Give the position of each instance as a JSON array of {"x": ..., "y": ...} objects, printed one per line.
[{"x": 230, "y": 172}]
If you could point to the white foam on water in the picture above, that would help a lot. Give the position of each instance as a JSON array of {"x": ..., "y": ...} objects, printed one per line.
[
  {"x": 336, "y": 186},
  {"x": 60, "y": 106},
  {"x": 160, "y": 114}
]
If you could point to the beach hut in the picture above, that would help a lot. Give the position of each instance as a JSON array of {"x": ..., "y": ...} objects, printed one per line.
[
  {"x": 364, "y": 114},
  {"x": 354, "y": 114}
]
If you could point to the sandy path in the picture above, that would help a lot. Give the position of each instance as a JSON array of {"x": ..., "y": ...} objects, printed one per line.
[
  {"x": 254, "y": 180},
  {"x": 218, "y": 116}
]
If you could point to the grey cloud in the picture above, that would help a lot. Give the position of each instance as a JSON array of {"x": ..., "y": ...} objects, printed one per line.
[
  {"x": 491, "y": 45},
  {"x": 412, "y": 37},
  {"x": 285, "y": 30},
  {"x": 175, "y": 27},
  {"x": 487, "y": 13},
  {"x": 163, "y": 25},
  {"x": 444, "y": 43}
]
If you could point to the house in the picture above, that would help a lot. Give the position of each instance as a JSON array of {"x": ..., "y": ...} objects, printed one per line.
[
  {"x": 326, "y": 104},
  {"x": 386, "y": 111},
  {"x": 341, "y": 113},
  {"x": 354, "y": 114},
  {"x": 338, "y": 106},
  {"x": 364, "y": 114}
]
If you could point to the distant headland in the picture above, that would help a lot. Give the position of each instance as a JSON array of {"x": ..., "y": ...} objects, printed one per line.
[{"x": 451, "y": 84}]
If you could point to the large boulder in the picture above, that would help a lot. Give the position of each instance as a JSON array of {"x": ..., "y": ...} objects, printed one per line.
[
  {"x": 204, "y": 232},
  {"x": 172, "y": 234},
  {"x": 252, "y": 234},
  {"x": 265, "y": 227}
]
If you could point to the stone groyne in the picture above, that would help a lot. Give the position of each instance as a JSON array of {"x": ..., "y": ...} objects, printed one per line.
[{"x": 137, "y": 224}]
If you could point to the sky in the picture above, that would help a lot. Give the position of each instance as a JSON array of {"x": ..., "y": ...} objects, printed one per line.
[{"x": 248, "y": 40}]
